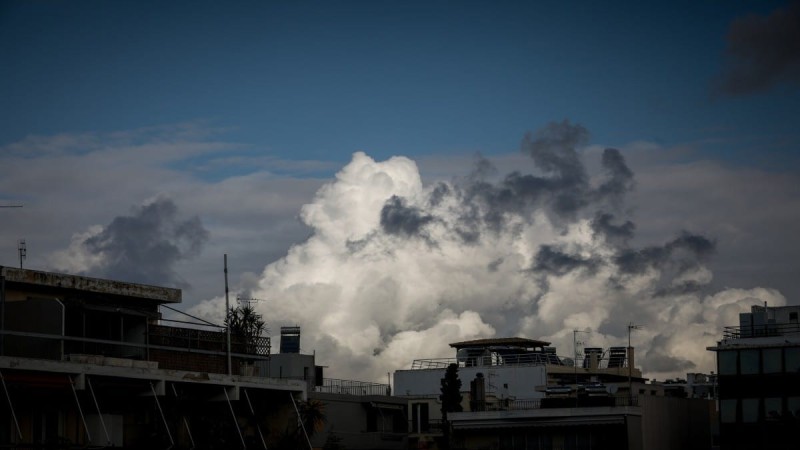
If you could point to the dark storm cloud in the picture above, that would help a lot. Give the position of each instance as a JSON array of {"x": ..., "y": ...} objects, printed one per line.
[
  {"x": 145, "y": 246},
  {"x": 399, "y": 219},
  {"x": 762, "y": 52},
  {"x": 682, "y": 253},
  {"x": 620, "y": 177},
  {"x": 562, "y": 189},
  {"x": 602, "y": 225},
  {"x": 553, "y": 261}
]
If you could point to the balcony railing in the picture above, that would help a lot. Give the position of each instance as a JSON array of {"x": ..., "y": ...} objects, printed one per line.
[
  {"x": 351, "y": 387},
  {"x": 546, "y": 403},
  {"x": 524, "y": 359},
  {"x": 765, "y": 330},
  {"x": 171, "y": 347}
]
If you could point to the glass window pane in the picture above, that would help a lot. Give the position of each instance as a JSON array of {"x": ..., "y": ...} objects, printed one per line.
[
  {"x": 728, "y": 410},
  {"x": 793, "y": 360},
  {"x": 727, "y": 362},
  {"x": 793, "y": 405},
  {"x": 773, "y": 408},
  {"x": 749, "y": 362},
  {"x": 772, "y": 360},
  {"x": 749, "y": 410}
]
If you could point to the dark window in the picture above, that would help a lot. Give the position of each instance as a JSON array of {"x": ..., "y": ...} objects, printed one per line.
[
  {"x": 772, "y": 360},
  {"x": 419, "y": 418},
  {"x": 749, "y": 362},
  {"x": 727, "y": 362}
]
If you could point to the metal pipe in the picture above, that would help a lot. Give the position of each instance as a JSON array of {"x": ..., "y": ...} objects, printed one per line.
[
  {"x": 99, "y": 414},
  {"x": 253, "y": 412},
  {"x": 80, "y": 410},
  {"x": 11, "y": 406},
  {"x": 227, "y": 312},
  {"x": 300, "y": 419},
  {"x": 235, "y": 422},
  {"x": 163, "y": 418},
  {"x": 185, "y": 422},
  {"x": 2, "y": 311}
]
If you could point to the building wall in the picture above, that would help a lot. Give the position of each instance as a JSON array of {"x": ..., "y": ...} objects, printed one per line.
[
  {"x": 676, "y": 423},
  {"x": 521, "y": 380},
  {"x": 363, "y": 422}
]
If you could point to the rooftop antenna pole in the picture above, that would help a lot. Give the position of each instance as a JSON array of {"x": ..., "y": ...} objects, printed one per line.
[
  {"x": 575, "y": 343},
  {"x": 227, "y": 316},
  {"x": 23, "y": 251},
  {"x": 631, "y": 327}
]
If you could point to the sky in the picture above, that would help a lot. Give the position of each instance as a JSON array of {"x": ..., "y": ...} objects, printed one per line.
[{"x": 396, "y": 176}]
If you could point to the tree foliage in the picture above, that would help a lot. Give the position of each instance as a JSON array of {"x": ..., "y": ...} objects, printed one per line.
[
  {"x": 246, "y": 326},
  {"x": 451, "y": 400},
  {"x": 451, "y": 391}
]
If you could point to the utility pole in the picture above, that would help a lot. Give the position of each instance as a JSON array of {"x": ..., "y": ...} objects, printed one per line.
[
  {"x": 631, "y": 327},
  {"x": 23, "y": 251},
  {"x": 227, "y": 316},
  {"x": 575, "y": 343}
]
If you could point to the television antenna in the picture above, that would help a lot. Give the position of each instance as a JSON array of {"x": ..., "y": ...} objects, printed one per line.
[
  {"x": 23, "y": 251},
  {"x": 631, "y": 327},
  {"x": 575, "y": 344},
  {"x": 246, "y": 301}
]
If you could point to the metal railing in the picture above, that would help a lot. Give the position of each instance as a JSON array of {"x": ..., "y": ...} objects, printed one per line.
[
  {"x": 523, "y": 359},
  {"x": 527, "y": 404},
  {"x": 352, "y": 387},
  {"x": 765, "y": 330},
  {"x": 194, "y": 338},
  {"x": 161, "y": 344}
]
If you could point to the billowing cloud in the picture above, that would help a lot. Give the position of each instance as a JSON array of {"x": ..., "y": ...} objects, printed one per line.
[
  {"x": 763, "y": 51},
  {"x": 143, "y": 247},
  {"x": 396, "y": 270}
]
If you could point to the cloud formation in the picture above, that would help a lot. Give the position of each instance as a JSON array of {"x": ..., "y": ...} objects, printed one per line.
[
  {"x": 396, "y": 270},
  {"x": 143, "y": 247},
  {"x": 762, "y": 52}
]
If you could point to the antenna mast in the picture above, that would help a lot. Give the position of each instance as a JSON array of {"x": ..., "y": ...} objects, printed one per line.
[
  {"x": 227, "y": 316},
  {"x": 631, "y": 327},
  {"x": 23, "y": 251}
]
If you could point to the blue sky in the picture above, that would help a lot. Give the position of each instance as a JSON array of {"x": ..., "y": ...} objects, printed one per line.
[
  {"x": 145, "y": 140},
  {"x": 319, "y": 80}
]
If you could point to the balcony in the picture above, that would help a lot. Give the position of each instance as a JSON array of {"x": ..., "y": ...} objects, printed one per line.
[
  {"x": 157, "y": 346},
  {"x": 765, "y": 330}
]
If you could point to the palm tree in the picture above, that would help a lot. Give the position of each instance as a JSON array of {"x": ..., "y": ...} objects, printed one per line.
[
  {"x": 246, "y": 326},
  {"x": 312, "y": 413}
]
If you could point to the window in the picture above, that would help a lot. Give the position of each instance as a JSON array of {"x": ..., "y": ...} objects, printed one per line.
[
  {"x": 727, "y": 362},
  {"x": 749, "y": 410},
  {"x": 793, "y": 360},
  {"x": 793, "y": 406},
  {"x": 727, "y": 409},
  {"x": 419, "y": 418},
  {"x": 773, "y": 408},
  {"x": 772, "y": 360},
  {"x": 749, "y": 362}
]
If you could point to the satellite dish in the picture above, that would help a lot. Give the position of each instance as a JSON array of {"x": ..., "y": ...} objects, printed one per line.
[{"x": 568, "y": 362}]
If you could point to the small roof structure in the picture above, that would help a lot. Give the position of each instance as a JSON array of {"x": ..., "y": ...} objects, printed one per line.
[{"x": 500, "y": 342}]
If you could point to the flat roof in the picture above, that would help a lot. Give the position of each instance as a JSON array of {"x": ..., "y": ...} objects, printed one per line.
[
  {"x": 510, "y": 341},
  {"x": 98, "y": 285}
]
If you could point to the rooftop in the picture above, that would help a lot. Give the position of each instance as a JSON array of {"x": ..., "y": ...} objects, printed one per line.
[{"x": 510, "y": 342}]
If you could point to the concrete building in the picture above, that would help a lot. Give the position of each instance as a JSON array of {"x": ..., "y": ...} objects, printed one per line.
[
  {"x": 519, "y": 394},
  {"x": 758, "y": 368},
  {"x": 358, "y": 415},
  {"x": 91, "y": 362}
]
